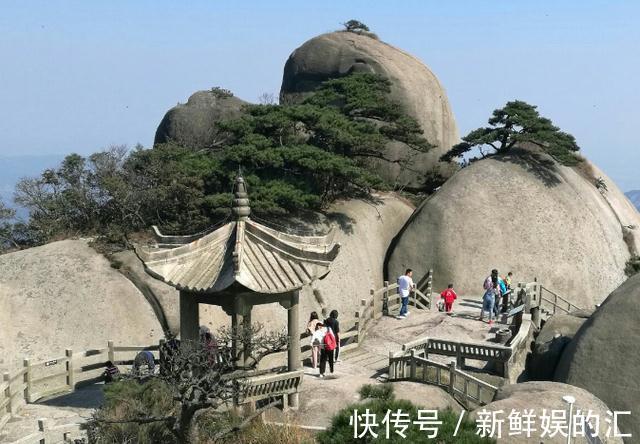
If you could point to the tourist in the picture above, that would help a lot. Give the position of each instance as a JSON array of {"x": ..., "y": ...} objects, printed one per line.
[
  {"x": 405, "y": 285},
  {"x": 211, "y": 347},
  {"x": 506, "y": 295},
  {"x": 488, "y": 299},
  {"x": 315, "y": 346},
  {"x": 334, "y": 325},
  {"x": 326, "y": 352},
  {"x": 144, "y": 359},
  {"x": 448, "y": 296},
  {"x": 111, "y": 373},
  {"x": 502, "y": 290}
]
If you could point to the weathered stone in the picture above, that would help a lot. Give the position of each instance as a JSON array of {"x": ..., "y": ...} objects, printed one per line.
[
  {"x": 556, "y": 333},
  {"x": 538, "y": 395},
  {"x": 604, "y": 356},
  {"x": 194, "y": 124},
  {"x": 414, "y": 86},
  {"x": 521, "y": 212},
  {"x": 66, "y": 295}
]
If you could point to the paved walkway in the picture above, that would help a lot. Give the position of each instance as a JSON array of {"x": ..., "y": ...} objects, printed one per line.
[{"x": 320, "y": 398}]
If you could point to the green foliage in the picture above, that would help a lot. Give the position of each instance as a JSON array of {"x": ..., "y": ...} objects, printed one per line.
[
  {"x": 632, "y": 266},
  {"x": 355, "y": 26},
  {"x": 129, "y": 399},
  {"x": 515, "y": 124},
  {"x": 294, "y": 158},
  {"x": 370, "y": 391},
  {"x": 221, "y": 93},
  {"x": 379, "y": 400}
]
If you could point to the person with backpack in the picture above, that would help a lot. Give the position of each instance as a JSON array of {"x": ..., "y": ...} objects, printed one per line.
[
  {"x": 334, "y": 325},
  {"x": 448, "y": 296},
  {"x": 315, "y": 344},
  {"x": 327, "y": 349}
]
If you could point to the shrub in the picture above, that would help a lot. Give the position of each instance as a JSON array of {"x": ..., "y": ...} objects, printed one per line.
[{"x": 379, "y": 400}]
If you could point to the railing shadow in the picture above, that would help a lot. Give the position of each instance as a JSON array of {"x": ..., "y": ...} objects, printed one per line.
[{"x": 90, "y": 396}]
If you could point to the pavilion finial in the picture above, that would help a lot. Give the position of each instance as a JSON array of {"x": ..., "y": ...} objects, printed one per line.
[{"x": 241, "y": 208}]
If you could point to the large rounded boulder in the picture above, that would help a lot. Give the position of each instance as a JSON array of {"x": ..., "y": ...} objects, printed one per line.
[
  {"x": 414, "y": 86},
  {"x": 194, "y": 124},
  {"x": 523, "y": 212},
  {"x": 604, "y": 356},
  {"x": 542, "y": 398},
  {"x": 556, "y": 333},
  {"x": 66, "y": 295}
]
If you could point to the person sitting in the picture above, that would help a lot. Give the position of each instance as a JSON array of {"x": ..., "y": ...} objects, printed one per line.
[{"x": 111, "y": 373}]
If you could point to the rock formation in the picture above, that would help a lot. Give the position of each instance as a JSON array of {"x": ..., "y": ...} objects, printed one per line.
[
  {"x": 193, "y": 124},
  {"x": 65, "y": 295},
  {"x": 414, "y": 86},
  {"x": 537, "y": 396},
  {"x": 604, "y": 356},
  {"x": 521, "y": 212},
  {"x": 556, "y": 333}
]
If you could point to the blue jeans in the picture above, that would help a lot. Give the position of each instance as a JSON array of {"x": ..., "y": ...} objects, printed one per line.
[
  {"x": 488, "y": 302},
  {"x": 405, "y": 303}
]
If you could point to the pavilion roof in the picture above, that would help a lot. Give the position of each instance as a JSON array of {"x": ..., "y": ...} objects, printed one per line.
[{"x": 242, "y": 251}]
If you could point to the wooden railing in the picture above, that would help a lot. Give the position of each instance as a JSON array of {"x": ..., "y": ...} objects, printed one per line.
[
  {"x": 65, "y": 433},
  {"x": 464, "y": 387},
  {"x": 502, "y": 355},
  {"x": 279, "y": 384},
  {"x": 62, "y": 374}
]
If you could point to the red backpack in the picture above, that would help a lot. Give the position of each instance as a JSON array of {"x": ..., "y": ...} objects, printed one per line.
[{"x": 329, "y": 340}]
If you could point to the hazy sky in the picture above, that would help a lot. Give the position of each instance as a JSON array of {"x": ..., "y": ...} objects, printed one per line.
[{"x": 81, "y": 75}]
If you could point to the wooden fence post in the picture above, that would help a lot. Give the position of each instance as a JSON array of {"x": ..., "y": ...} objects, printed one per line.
[
  {"x": 391, "y": 369},
  {"x": 111, "y": 356},
  {"x": 373, "y": 302},
  {"x": 6, "y": 377},
  {"x": 27, "y": 380},
  {"x": 412, "y": 370},
  {"x": 71, "y": 380},
  {"x": 358, "y": 339},
  {"x": 385, "y": 299},
  {"x": 452, "y": 378},
  {"x": 41, "y": 430}
]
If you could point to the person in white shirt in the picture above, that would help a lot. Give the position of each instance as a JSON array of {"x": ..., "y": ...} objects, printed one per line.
[{"x": 405, "y": 285}]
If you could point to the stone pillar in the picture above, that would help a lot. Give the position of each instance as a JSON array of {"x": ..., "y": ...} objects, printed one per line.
[
  {"x": 294, "y": 341},
  {"x": 241, "y": 325},
  {"x": 189, "y": 317}
]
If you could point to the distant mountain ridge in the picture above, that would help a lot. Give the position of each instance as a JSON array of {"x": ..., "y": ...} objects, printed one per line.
[{"x": 634, "y": 197}]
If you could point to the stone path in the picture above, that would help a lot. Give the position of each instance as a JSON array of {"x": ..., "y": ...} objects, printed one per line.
[{"x": 320, "y": 398}]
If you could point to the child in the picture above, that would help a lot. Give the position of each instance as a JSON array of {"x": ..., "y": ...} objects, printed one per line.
[
  {"x": 111, "y": 373},
  {"x": 449, "y": 295}
]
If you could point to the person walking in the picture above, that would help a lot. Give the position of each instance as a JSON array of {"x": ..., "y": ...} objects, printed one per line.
[
  {"x": 448, "y": 296},
  {"x": 405, "y": 286},
  {"x": 334, "y": 325},
  {"x": 489, "y": 298},
  {"x": 315, "y": 345}
]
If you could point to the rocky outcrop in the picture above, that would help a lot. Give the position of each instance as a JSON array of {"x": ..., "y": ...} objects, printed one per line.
[
  {"x": 604, "y": 356},
  {"x": 66, "y": 295},
  {"x": 556, "y": 333},
  {"x": 194, "y": 124},
  {"x": 537, "y": 396},
  {"x": 521, "y": 212},
  {"x": 414, "y": 86}
]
